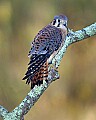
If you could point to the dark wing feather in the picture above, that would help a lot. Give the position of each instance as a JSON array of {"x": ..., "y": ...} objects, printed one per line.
[
  {"x": 45, "y": 43},
  {"x": 35, "y": 66}
]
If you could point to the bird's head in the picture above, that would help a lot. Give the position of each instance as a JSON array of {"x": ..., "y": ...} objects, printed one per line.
[{"x": 60, "y": 21}]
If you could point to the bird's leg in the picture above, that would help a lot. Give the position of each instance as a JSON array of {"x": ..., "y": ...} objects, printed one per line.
[{"x": 53, "y": 66}]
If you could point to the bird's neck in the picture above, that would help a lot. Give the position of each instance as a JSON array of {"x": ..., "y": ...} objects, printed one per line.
[
  {"x": 61, "y": 27},
  {"x": 63, "y": 31}
]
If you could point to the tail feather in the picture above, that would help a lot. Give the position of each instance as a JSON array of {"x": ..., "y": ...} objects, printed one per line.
[
  {"x": 40, "y": 76},
  {"x": 30, "y": 73},
  {"x": 35, "y": 65},
  {"x": 36, "y": 62}
]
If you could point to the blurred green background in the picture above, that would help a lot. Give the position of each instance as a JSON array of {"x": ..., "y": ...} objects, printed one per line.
[{"x": 73, "y": 96}]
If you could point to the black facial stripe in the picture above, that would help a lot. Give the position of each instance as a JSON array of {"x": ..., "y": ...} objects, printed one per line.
[
  {"x": 58, "y": 20},
  {"x": 54, "y": 21},
  {"x": 58, "y": 23}
]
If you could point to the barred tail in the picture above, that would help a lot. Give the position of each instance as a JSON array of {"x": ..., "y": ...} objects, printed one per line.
[
  {"x": 41, "y": 75},
  {"x": 37, "y": 67}
]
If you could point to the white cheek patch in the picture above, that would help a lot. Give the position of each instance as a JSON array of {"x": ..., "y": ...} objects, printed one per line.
[
  {"x": 62, "y": 26},
  {"x": 56, "y": 24}
]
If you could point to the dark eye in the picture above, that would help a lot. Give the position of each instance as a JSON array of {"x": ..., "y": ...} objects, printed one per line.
[{"x": 65, "y": 24}]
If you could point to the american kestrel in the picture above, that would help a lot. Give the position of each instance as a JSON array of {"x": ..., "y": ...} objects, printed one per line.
[{"x": 45, "y": 46}]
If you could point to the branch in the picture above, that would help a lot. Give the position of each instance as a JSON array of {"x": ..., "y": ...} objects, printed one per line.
[
  {"x": 19, "y": 112},
  {"x": 84, "y": 33},
  {"x": 3, "y": 111},
  {"x": 34, "y": 94},
  {"x": 72, "y": 38}
]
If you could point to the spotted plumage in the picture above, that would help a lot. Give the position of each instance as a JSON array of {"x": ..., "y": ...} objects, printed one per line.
[{"x": 44, "y": 46}]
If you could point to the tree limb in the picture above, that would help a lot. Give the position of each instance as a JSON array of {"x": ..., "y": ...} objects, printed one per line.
[
  {"x": 19, "y": 112},
  {"x": 3, "y": 111},
  {"x": 72, "y": 38}
]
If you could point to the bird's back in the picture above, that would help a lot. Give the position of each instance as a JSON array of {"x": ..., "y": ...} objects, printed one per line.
[{"x": 46, "y": 42}]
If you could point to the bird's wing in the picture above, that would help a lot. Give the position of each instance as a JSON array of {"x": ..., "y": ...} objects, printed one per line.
[{"x": 45, "y": 43}]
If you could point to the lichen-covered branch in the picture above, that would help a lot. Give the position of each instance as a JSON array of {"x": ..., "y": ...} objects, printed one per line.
[
  {"x": 72, "y": 38},
  {"x": 19, "y": 112},
  {"x": 3, "y": 111},
  {"x": 83, "y": 34},
  {"x": 34, "y": 94}
]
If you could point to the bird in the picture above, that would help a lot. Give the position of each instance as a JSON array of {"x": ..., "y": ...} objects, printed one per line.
[{"x": 44, "y": 47}]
